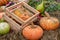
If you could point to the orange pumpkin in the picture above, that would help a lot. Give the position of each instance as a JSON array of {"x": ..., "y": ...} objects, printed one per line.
[
  {"x": 49, "y": 23},
  {"x": 17, "y": 12},
  {"x": 1, "y": 14},
  {"x": 32, "y": 33},
  {"x": 22, "y": 16},
  {"x": 3, "y": 2}
]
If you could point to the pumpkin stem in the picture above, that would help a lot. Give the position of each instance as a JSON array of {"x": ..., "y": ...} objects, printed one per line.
[
  {"x": 47, "y": 14},
  {"x": 32, "y": 25}
]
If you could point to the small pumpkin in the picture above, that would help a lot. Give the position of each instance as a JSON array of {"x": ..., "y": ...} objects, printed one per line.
[
  {"x": 32, "y": 33},
  {"x": 3, "y": 2},
  {"x": 17, "y": 12},
  {"x": 1, "y": 15},
  {"x": 24, "y": 16},
  {"x": 49, "y": 23},
  {"x": 4, "y": 28}
]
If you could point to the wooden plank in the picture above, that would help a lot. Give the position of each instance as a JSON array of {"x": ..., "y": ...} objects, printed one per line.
[
  {"x": 15, "y": 17},
  {"x": 30, "y": 8},
  {"x": 13, "y": 24}
]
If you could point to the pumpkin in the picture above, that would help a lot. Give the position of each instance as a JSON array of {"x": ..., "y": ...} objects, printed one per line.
[
  {"x": 32, "y": 33},
  {"x": 1, "y": 14},
  {"x": 17, "y": 12},
  {"x": 3, "y": 2},
  {"x": 4, "y": 28},
  {"x": 50, "y": 23},
  {"x": 22, "y": 16}
]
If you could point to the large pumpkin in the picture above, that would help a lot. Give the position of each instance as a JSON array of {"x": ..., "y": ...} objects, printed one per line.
[
  {"x": 3, "y": 2},
  {"x": 49, "y": 23},
  {"x": 32, "y": 33}
]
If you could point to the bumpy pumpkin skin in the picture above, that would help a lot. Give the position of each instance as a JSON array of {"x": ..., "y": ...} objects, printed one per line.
[
  {"x": 32, "y": 33},
  {"x": 49, "y": 23},
  {"x": 22, "y": 16},
  {"x": 3, "y": 2}
]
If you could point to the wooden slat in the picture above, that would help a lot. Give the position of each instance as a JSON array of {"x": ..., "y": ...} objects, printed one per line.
[
  {"x": 15, "y": 17},
  {"x": 13, "y": 24},
  {"x": 11, "y": 7},
  {"x": 30, "y": 8},
  {"x": 27, "y": 23}
]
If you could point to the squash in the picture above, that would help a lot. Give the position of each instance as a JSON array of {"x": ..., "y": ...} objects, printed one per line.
[
  {"x": 17, "y": 12},
  {"x": 49, "y": 23},
  {"x": 23, "y": 16},
  {"x": 4, "y": 28},
  {"x": 32, "y": 33},
  {"x": 0, "y": 3},
  {"x": 1, "y": 15},
  {"x": 40, "y": 7},
  {"x": 3, "y": 2}
]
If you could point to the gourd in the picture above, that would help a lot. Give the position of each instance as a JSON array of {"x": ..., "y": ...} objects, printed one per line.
[
  {"x": 49, "y": 23},
  {"x": 3, "y": 2},
  {"x": 32, "y": 32},
  {"x": 4, "y": 28}
]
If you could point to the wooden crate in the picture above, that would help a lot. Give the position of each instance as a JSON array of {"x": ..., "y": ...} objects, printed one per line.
[
  {"x": 31, "y": 12},
  {"x": 16, "y": 22},
  {"x": 14, "y": 25}
]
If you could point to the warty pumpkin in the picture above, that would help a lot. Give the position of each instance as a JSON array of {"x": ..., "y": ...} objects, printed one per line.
[
  {"x": 32, "y": 33},
  {"x": 49, "y": 23},
  {"x": 3, "y": 2}
]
